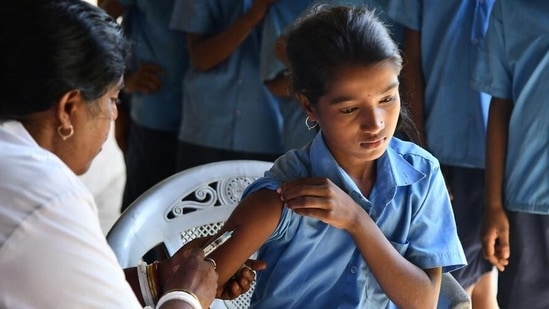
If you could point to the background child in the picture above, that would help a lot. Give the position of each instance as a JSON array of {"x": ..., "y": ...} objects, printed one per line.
[
  {"x": 440, "y": 48},
  {"x": 514, "y": 69},
  {"x": 154, "y": 93},
  {"x": 227, "y": 111}
]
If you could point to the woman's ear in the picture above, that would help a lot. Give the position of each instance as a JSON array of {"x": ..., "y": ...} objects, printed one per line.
[{"x": 67, "y": 106}]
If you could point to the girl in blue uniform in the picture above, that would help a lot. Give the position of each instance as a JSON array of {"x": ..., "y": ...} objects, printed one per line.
[{"x": 357, "y": 218}]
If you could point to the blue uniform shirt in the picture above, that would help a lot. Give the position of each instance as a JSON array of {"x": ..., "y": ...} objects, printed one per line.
[
  {"x": 154, "y": 42},
  {"x": 227, "y": 107},
  {"x": 514, "y": 65},
  {"x": 408, "y": 202},
  {"x": 455, "y": 113}
]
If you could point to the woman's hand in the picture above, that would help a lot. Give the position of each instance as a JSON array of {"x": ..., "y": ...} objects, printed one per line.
[
  {"x": 241, "y": 282},
  {"x": 320, "y": 198},
  {"x": 187, "y": 270}
]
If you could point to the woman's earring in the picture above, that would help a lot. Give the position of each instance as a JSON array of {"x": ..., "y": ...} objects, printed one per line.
[
  {"x": 65, "y": 136},
  {"x": 310, "y": 123}
]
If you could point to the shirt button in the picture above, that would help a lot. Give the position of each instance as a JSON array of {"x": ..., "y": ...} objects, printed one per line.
[
  {"x": 475, "y": 41},
  {"x": 237, "y": 112},
  {"x": 354, "y": 269}
]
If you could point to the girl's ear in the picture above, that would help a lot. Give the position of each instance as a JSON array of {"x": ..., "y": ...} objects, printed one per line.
[{"x": 305, "y": 104}]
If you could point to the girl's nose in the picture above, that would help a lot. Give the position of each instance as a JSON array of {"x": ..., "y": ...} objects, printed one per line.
[{"x": 372, "y": 122}]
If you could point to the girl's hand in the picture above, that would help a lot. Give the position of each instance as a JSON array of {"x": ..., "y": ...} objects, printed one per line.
[
  {"x": 320, "y": 198},
  {"x": 241, "y": 282}
]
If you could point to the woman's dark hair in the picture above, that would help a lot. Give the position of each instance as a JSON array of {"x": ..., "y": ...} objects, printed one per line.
[
  {"x": 49, "y": 47},
  {"x": 328, "y": 38}
]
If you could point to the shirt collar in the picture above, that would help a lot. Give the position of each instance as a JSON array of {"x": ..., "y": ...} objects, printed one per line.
[
  {"x": 16, "y": 130},
  {"x": 393, "y": 169}
]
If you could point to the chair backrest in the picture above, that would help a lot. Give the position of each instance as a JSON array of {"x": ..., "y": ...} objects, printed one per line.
[
  {"x": 187, "y": 205},
  {"x": 195, "y": 203}
]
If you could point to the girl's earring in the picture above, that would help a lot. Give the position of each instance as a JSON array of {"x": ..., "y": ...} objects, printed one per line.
[{"x": 310, "y": 123}]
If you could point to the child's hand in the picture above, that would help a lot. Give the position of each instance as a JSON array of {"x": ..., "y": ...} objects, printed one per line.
[
  {"x": 241, "y": 282},
  {"x": 259, "y": 9},
  {"x": 320, "y": 198},
  {"x": 495, "y": 238},
  {"x": 144, "y": 80}
]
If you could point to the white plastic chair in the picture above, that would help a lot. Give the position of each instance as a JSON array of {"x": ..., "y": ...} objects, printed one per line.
[
  {"x": 195, "y": 203},
  {"x": 187, "y": 205}
]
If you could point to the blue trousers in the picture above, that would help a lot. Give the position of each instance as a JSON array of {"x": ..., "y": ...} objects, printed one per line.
[{"x": 525, "y": 281}]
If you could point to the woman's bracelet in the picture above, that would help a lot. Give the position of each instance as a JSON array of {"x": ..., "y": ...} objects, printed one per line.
[
  {"x": 152, "y": 270},
  {"x": 144, "y": 284},
  {"x": 182, "y": 295}
]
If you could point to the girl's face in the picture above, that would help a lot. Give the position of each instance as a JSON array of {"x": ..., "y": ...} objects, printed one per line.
[{"x": 358, "y": 114}]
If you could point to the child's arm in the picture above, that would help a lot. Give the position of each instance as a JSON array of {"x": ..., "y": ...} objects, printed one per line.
[
  {"x": 407, "y": 285},
  {"x": 253, "y": 221},
  {"x": 279, "y": 85},
  {"x": 207, "y": 51},
  {"x": 495, "y": 232}
]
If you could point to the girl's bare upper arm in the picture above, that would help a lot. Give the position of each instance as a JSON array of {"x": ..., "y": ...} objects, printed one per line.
[{"x": 253, "y": 221}]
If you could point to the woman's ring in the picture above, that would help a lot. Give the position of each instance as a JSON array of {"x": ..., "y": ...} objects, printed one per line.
[{"x": 212, "y": 262}]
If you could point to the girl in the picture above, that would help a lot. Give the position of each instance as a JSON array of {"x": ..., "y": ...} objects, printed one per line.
[{"x": 357, "y": 218}]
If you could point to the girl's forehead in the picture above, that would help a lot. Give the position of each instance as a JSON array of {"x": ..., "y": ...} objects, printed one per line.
[{"x": 380, "y": 75}]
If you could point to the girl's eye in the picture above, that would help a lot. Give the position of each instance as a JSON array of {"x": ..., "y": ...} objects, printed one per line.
[
  {"x": 388, "y": 99},
  {"x": 115, "y": 101},
  {"x": 349, "y": 110}
]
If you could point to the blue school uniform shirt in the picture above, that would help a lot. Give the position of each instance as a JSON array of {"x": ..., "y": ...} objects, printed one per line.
[
  {"x": 147, "y": 23},
  {"x": 227, "y": 107},
  {"x": 514, "y": 65},
  {"x": 455, "y": 113},
  {"x": 315, "y": 265}
]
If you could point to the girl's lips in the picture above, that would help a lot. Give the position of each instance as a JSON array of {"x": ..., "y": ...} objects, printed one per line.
[{"x": 372, "y": 144}]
